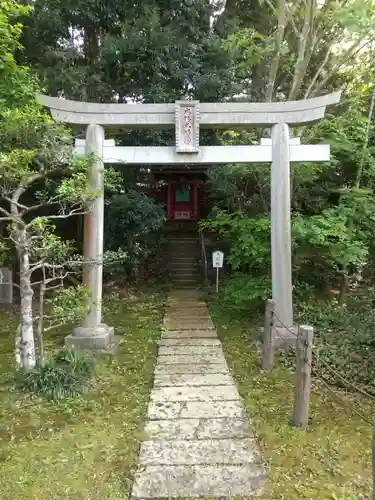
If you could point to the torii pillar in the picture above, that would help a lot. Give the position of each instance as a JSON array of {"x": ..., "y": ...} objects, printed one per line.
[
  {"x": 93, "y": 333},
  {"x": 281, "y": 228}
]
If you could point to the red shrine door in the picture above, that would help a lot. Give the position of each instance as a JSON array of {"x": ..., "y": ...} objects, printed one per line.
[{"x": 183, "y": 202}]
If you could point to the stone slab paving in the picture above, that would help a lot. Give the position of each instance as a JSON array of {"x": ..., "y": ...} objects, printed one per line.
[
  {"x": 198, "y": 428},
  {"x": 166, "y": 342},
  {"x": 198, "y": 442},
  {"x": 194, "y": 409},
  {"x": 189, "y": 334},
  {"x": 198, "y": 481},
  {"x": 192, "y": 379},
  {"x": 201, "y": 393},
  {"x": 190, "y": 349},
  {"x": 192, "y": 368},
  {"x": 198, "y": 452},
  {"x": 186, "y": 324},
  {"x": 185, "y": 358}
]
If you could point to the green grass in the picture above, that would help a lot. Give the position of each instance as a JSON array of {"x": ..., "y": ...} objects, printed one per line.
[
  {"x": 331, "y": 459},
  {"x": 85, "y": 448}
]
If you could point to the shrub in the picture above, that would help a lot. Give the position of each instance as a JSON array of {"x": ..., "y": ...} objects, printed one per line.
[
  {"x": 345, "y": 340},
  {"x": 244, "y": 292},
  {"x": 76, "y": 361},
  {"x": 65, "y": 374}
]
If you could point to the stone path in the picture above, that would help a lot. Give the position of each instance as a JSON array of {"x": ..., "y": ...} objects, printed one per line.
[{"x": 199, "y": 443}]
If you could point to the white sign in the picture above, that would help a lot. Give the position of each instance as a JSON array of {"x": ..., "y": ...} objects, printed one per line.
[{"x": 217, "y": 259}]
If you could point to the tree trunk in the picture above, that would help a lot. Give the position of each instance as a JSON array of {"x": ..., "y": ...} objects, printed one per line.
[
  {"x": 344, "y": 287},
  {"x": 41, "y": 322},
  {"x": 26, "y": 312},
  {"x": 17, "y": 347}
]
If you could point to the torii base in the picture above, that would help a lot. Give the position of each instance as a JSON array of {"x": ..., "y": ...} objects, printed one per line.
[{"x": 100, "y": 337}]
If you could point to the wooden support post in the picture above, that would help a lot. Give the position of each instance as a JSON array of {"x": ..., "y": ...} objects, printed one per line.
[
  {"x": 267, "y": 344},
  {"x": 373, "y": 463},
  {"x": 303, "y": 376}
]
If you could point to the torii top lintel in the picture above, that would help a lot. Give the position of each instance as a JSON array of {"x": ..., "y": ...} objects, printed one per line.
[{"x": 207, "y": 115}]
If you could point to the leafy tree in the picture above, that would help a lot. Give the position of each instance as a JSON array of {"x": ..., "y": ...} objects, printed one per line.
[
  {"x": 297, "y": 49},
  {"x": 131, "y": 221},
  {"x": 40, "y": 182},
  {"x": 154, "y": 50}
]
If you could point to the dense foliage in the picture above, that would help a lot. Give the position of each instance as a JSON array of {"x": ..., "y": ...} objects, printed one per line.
[{"x": 132, "y": 222}]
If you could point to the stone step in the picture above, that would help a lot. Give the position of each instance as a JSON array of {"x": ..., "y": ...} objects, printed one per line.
[
  {"x": 192, "y": 379},
  {"x": 194, "y": 320},
  {"x": 188, "y": 325},
  {"x": 188, "y": 334},
  {"x": 185, "y": 359},
  {"x": 187, "y": 305},
  {"x": 184, "y": 273},
  {"x": 184, "y": 238},
  {"x": 183, "y": 266},
  {"x": 183, "y": 295},
  {"x": 195, "y": 409},
  {"x": 183, "y": 258},
  {"x": 198, "y": 428},
  {"x": 191, "y": 368},
  {"x": 181, "y": 279},
  {"x": 190, "y": 349},
  {"x": 199, "y": 452},
  {"x": 197, "y": 481},
  {"x": 184, "y": 283},
  {"x": 187, "y": 317},
  {"x": 199, "y": 393},
  {"x": 184, "y": 250},
  {"x": 182, "y": 286},
  {"x": 184, "y": 277},
  {"x": 189, "y": 342},
  {"x": 189, "y": 309},
  {"x": 192, "y": 244}
]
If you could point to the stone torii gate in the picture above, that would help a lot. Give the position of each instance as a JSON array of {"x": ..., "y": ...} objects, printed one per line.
[{"x": 187, "y": 117}]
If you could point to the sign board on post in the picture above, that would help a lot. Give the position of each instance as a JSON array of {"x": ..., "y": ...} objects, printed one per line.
[{"x": 217, "y": 262}]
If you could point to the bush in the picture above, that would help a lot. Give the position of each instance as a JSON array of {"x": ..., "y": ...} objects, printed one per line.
[
  {"x": 65, "y": 374},
  {"x": 345, "y": 340},
  {"x": 245, "y": 292}
]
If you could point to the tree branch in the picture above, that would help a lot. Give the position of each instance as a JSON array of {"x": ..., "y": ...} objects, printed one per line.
[
  {"x": 6, "y": 214},
  {"x": 21, "y": 189},
  {"x": 317, "y": 74},
  {"x": 74, "y": 212},
  {"x": 33, "y": 208},
  {"x": 352, "y": 51},
  {"x": 304, "y": 56},
  {"x": 281, "y": 26}
]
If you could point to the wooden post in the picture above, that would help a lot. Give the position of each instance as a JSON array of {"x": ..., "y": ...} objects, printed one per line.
[
  {"x": 373, "y": 463},
  {"x": 303, "y": 376},
  {"x": 267, "y": 344}
]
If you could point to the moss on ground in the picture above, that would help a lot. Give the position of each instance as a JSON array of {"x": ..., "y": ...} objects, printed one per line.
[
  {"x": 84, "y": 448},
  {"x": 329, "y": 460}
]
